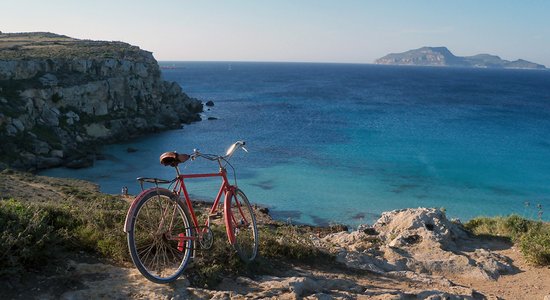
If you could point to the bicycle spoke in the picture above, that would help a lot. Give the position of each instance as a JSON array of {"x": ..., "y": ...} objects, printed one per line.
[
  {"x": 157, "y": 225},
  {"x": 243, "y": 225}
]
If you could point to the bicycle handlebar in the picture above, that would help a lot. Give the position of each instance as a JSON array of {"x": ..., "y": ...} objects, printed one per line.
[{"x": 228, "y": 154}]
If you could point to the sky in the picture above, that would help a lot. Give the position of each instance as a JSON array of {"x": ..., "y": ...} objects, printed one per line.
[{"x": 348, "y": 31}]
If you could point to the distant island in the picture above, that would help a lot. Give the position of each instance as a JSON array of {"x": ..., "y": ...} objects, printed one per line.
[{"x": 442, "y": 57}]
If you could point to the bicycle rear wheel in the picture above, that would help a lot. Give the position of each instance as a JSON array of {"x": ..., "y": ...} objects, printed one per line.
[
  {"x": 240, "y": 223},
  {"x": 159, "y": 236}
]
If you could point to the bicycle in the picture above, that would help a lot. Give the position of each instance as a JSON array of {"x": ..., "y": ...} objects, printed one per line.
[{"x": 162, "y": 228}]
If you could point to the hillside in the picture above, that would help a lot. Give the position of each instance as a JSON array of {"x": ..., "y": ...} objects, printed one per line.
[
  {"x": 60, "y": 98},
  {"x": 442, "y": 57},
  {"x": 73, "y": 247}
]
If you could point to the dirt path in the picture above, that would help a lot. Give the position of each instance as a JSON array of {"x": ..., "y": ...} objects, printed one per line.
[{"x": 85, "y": 277}]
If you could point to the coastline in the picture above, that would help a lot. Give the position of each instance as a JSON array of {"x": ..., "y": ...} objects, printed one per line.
[{"x": 61, "y": 97}]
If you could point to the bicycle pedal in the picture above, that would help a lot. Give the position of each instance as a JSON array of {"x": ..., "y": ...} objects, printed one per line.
[{"x": 217, "y": 215}]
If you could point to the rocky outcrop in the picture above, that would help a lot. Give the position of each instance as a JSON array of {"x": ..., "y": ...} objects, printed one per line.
[
  {"x": 417, "y": 243},
  {"x": 59, "y": 96},
  {"x": 442, "y": 57}
]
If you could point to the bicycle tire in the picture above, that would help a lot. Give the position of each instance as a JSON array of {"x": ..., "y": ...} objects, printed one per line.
[
  {"x": 240, "y": 223},
  {"x": 159, "y": 236}
]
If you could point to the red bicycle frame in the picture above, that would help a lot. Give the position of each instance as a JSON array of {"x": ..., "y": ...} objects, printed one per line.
[{"x": 225, "y": 188}]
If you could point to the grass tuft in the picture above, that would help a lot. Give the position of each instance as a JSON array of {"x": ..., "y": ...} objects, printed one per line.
[{"x": 532, "y": 237}]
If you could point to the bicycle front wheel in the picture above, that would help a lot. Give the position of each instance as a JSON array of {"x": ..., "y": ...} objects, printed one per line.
[
  {"x": 159, "y": 237},
  {"x": 240, "y": 223}
]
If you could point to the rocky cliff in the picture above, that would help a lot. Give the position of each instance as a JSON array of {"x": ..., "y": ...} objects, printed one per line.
[
  {"x": 442, "y": 57},
  {"x": 60, "y": 97}
]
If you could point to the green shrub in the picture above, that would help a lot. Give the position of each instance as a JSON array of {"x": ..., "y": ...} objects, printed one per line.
[
  {"x": 533, "y": 237},
  {"x": 291, "y": 242},
  {"x": 29, "y": 234},
  {"x": 535, "y": 245},
  {"x": 33, "y": 232},
  {"x": 512, "y": 227}
]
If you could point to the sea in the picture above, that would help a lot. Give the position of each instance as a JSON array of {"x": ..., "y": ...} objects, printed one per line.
[{"x": 342, "y": 143}]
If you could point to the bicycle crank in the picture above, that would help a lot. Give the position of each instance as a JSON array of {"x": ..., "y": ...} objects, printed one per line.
[{"x": 206, "y": 238}]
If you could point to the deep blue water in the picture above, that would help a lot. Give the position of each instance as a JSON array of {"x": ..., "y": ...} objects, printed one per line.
[{"x": 344, "y": 142}]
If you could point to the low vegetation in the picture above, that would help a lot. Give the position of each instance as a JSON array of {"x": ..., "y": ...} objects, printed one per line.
[
  {"x": 532, "y": 237},
  {"x": 42, "y": 217},
  {"x": 34, "y": 232},
  {"x": 53, "y": 46},
  {"x": 61, "y": 215}
]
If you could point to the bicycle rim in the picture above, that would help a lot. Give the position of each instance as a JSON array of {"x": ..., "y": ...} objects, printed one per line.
[
  {"x": 242, "y": 224},
  {"x": 160, "y": 237}
]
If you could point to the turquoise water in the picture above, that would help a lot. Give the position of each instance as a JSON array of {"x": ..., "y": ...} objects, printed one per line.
[{"x": 343, "y": 142}]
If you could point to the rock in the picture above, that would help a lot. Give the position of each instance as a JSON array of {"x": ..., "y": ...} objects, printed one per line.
[
  {"x": 209, "y": 103},
  {"x": 56, "y": 153},
  {"x": 48, "y": 80},
  {"x": 416, "y": 240},
  {"x": 72, "y": 117},
  {"x": 131, "y": 150},
  {"x": 79, "y": 162},
  {"x": 212, "y": 118},
  {"x": 97, "y": 130},
  {"x": 51, "y": 117},
  {"x": 547, "y": 297},
  {"x": 41, "y": 147},
  {"x": 363, "y": 261},
  {"x": 18, "y": 124},
  {"x": 49, "y": 162},
  {"x": 11, "y": 130}
]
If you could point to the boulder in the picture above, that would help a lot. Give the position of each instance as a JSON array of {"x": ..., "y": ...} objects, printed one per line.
[
  {"x": 18, "y": 124},
  {"x": 48, "y": 80},
  {"x": 48, "y": 162},
  {"x": 419, "y": 240}
]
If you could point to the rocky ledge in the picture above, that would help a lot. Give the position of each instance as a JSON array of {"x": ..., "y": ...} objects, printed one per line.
[{"x": 60, "y": 97}]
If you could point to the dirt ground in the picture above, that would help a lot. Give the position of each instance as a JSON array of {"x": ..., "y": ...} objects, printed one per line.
[{"x": 84, "y": 276}]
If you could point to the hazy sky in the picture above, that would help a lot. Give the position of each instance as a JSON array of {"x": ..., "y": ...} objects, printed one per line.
[{"x": 294, "y": 30}]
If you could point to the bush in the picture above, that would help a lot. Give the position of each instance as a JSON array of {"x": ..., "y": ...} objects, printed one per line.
[
  {"x": 291, "y": 242},
  {"x": 33, "y": 232},
  {"x": 535, "y": 245},
  {"x": 29, "y": 234},
  {"x": 284, "y": 242},
  {"x": 533, "y": 237}
]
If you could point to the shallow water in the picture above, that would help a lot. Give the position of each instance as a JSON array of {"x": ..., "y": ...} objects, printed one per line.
[{"x": 343, "y": 142}]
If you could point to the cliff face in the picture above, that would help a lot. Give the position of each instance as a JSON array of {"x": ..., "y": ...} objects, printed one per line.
[
  {"x": 442, "y": 57},
  {"x": 60, "y": 95}
]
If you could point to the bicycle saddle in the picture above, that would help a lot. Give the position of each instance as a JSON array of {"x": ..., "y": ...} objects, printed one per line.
[{"x": 173, "y": 159}]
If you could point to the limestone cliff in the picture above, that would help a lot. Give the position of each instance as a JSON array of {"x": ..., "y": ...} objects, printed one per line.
[{"x": 59, "y": 96}]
